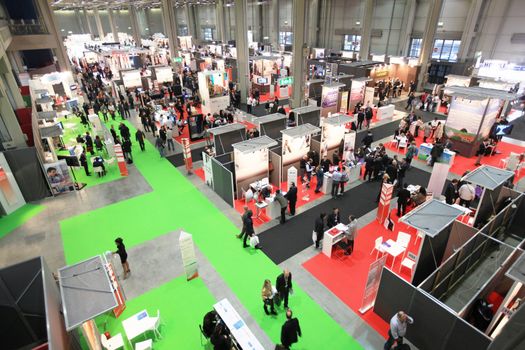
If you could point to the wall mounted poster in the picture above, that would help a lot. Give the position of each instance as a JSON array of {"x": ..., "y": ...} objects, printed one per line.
[
  {"x": 329, "y": 97},
  {"x": 464, "y": 118},
  {"x": 295, "y": 148},
  {"x": 357, "y": 92},
  {"x": 331, "y": 137},
  {"x": 250, "y": 164},
  {"x": 59, "y": 177}
]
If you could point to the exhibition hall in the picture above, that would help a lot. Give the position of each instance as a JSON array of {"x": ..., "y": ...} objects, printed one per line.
[{"x": 262, "y": 174}]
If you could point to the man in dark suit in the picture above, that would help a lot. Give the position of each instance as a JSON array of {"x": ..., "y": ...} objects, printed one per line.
[
  {"x": 334, "y": 218},
  {"x": 283, "y": 285},
  {"x": 243, "y": 219},
  {"x": 451, "y": 192},
  {"x": 402, "y": 200},
  {"x": 290, "y": 330},
  {"x": 291, "y": 195}
]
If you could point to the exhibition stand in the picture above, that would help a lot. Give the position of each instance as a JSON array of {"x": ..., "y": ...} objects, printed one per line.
[
  {"x": 471, "y": 114},
  {"x": 333, "y": 134},
  {"x": 330, "y": 98},
  {"x": 478, "y": 266},
  {"x": 225, "y": 136},
  {"x": 272, "y": 124},
  {"x": 251, "y": 162},
  {"x": 360, "y": 93},
  {"x": 31, "y": 308},
  {"x": 315, "y": 87},
  {"x": 213, "y": 90},
  {"x": 295, "y": 146},
  {"x": 265, "y": 69},
  {"x": 307, "y": 115}
]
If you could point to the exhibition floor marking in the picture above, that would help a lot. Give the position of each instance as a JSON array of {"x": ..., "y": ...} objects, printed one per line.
[
  {"x": 182, "y": 307},
  {"x": 18, "y": 218},
  {"x": 72, "y": 128},
  {"x": 175, "y": 203},
  {"x": 346, "y": 276}
]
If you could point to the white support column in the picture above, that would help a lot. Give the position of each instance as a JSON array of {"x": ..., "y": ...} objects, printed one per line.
[
  {"x": 86, "y": 18},
  {"x": 221, "y": 27},
  {"x": 299, "y": 52},
  {"x": 313, "y": 23},
  {"x": 274, "y": 24},
  {"x": 468, "y": 30},
  {"x": 134, "y": 25},
  {"x": 170, "y": 27},
  {"x": 427, "y": 44},
  {"x": 100, "y": 29},
  {"x": 366, "y": 33},
  {"x": 406, "y": 27},
  {"x": 49, "y": 20},
  {"x": 241, "y": 41},
  {"x": 114, "y": 31}
]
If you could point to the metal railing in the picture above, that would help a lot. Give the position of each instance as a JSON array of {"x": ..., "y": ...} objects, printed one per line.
[{"x": 27, "y": 27}]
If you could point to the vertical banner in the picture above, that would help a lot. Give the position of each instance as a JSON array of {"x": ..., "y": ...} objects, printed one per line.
[
  {"x": 91, "y": 335},
  {"x": 437, "y": 179},
  {"x": 117, "y": 291},
  {"x": 187, "y": 154},
  {"x": 121, "y": 161},
  {"x": 344, "y": 102},
  {"x": 189, "y": 260},
  {"x": 372, "y": 284},
  {"x": 59, "y": 177},
  {"x": 292, "y": 176},
  {"x": 208, "y": 170},
  {"x": 349, "y": 142},
  {"x": 329, "y": 96},
  {"x": 383, "y": 209},
  {"x": 369, "y": 95}
]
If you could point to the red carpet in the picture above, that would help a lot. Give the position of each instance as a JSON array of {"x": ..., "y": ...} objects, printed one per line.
[
  {"x": 462, "y": 164},
  {"x": 346, "y": 276}
]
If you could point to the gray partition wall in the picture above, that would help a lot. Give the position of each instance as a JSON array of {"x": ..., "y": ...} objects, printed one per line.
[
  {"x": 435, "y": 327},
  {"x": 276, "y": 175},
  {"x": 307, "y": 115},
  {"x": 223, "y": 180},
  {"x": 225, "y": 136},
  {"x": 272, "y": 124},
  {"x": 27, "y": 170}
]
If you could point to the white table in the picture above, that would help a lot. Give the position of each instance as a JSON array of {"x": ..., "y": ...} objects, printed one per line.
[
  {"x": 393, "y": 249},
  {"x": 273, "y": 210},
  {"x": 333, "y": 236},
  {"x": 238, "y": 328},
  {"x": 137, "y": 324}
]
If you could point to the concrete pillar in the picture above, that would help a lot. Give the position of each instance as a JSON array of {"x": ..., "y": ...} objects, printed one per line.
[
  {"x": 100, "y": 29},
  {"x": 221, "y": 26},
  {"x": 313, "y": 23},
  {"x": 134, "y": 25},
  {"x": 190, "y": 15},
  {"x": 80, "y": 21},
  {"x": 49, "y": 20},
  {"x": 86, "y": 19},
  {"x": 406, "y": 27},
  {"x": 112, "y": 25},
  {"x": 427, "y": 44},
  {"x": 241, "y": 40},
  {"x": 366, "y": 32},
  {"x": 260, "y": 21},
  {"x": 299, "y": 52},
  {"x": 11, "y": 84},
  {"x": 170, "y": 27},
  {"x": 468, "y": 30},
  {"x": 274, "y": 24},
  {"x": 504, "y": 6}
]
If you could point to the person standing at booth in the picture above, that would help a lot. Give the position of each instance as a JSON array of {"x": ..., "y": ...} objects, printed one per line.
[
  {"x": 403, "y": 197},
  {"x": 291, "y": 195},
  {"x": 451, "y": 192},
  {"x": 334, "y": 218},
  {"x": 336, "y": 179},
  {"x": 319, "y": 229},
  {"x": 121, "y": 251},
  {"x": 368, "y": 115},
  {"x": 283, "y": 203}
]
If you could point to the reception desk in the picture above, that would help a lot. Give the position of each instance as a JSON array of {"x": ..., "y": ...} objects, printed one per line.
[
  {"x": 333, "y": 236},
  {"x": 385, "y": 112},
  {"x": 447, "y": 157}
]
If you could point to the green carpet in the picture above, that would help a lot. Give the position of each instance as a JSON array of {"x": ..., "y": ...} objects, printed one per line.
[
  {"x": 73, "y": 128},
  {"x": 175, "y": 203},
  {"x": 18, "y": 217},
  {"x": 182, "y": 306}
]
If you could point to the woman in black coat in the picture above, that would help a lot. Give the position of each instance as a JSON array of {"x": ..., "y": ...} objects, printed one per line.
[
  {"x": 121, "y": 251},
  {"x": 248, "y": 225},
  {"x": 319, "y": 229}
]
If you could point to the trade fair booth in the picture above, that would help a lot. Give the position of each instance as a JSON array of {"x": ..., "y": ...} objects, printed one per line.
[
  {"x": 264, "y": 69},
  {"x": 162, "y": 74},
  {"x": 219, "y": 175},
  {"x": 334, "y": 131},
  {"x": 225, "y": 136},
  {"x": 471, "y": 115},
  {"x": 31, "y": 307},
  {"x": 359, "y": 93},
  {"x": 330, "y": 98},
  {"x": 185, "y": 43},
  {"x": 272, "y": 124},
  {"x": 475, "y": 294},
  {"x": 213, "y": 90},
  {"x": 307, "y": 115},
  {"x": 295, "y": 145}
]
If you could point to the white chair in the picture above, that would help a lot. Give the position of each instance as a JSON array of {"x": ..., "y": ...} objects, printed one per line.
[
  {"x": 113, "y": 343},
  {"x": 155, "y": 325},
  {"x": 403, "y": 239},
  {"x": 403, "y": 143},
  {"x": 144, "y": 345},
  {"x": 378, "y": 246},
  {"x": 409, "y": 262}
]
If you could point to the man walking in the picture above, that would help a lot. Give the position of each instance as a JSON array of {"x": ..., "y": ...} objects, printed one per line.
[
  {"x": 398, "y": 329},
  {"x": 243, "y": 219},
  {"x": 290, "y": 330},
  {"x": 283, "y": 284},
  {"x": 291, "y": 195},
  {"x": 139, "y": 137}
]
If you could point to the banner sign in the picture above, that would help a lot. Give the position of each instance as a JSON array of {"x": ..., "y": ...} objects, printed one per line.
[
  {"x": 208, "y": 170},
  {"x": 187, "y": 154},
  {"x": 383, "y": 208},
  {"x": 59, "y": 177},
  {"x": 372, "y": 284},
  {"x": 344, "y": 102},
  {"x": 189, "y": 260},
  {"x": 119, "y": 296}
]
